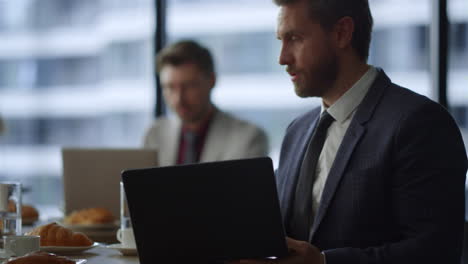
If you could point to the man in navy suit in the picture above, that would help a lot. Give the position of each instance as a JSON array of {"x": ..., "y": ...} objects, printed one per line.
[{"x": 383, "y": 181}]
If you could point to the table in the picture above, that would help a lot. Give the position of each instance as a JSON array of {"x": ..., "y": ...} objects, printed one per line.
[
  {"x": 97, "y": 255},
  {"x": 102, "y": 255}
]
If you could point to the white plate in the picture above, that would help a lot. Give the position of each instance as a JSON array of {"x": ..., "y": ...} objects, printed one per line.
[
  {"x": 123, "y": 250},
  {"x": 67, "y": 250},
  {"x": 78, "y": 261}
]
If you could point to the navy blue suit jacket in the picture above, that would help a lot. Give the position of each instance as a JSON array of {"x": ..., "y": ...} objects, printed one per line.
[{"x": 395, "y": 192}]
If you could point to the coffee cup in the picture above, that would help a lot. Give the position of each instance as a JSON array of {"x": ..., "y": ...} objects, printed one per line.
[
  {"x": 125, "y": 221},
  {"x": 16, "y": 246},
  {"x": 126, "y": 238}
]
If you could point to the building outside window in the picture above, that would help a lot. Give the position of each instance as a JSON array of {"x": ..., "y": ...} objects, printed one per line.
[{"x": 72, "y": 73}]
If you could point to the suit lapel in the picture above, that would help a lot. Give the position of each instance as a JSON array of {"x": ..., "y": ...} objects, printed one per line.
[
  {"x": 212, "y": 149},
  {"x": 293, "y": 167},
  {"x": 352, "y": 137},
  {"x": 355, "y": 132},
  {"x": 172, "y": 142}
]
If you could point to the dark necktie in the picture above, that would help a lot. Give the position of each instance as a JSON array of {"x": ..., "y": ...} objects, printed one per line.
[
  {"x": 190, "y": 154},
  {"x": 302, "y": 215}
]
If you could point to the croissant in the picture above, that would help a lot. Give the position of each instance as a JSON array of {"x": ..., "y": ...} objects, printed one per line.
[
  {"x": 39, "y": 257},
  {"x": 90, "y": 216},
  {"x": 28, "y": 212},
  {"x": 56, "y": 235}
]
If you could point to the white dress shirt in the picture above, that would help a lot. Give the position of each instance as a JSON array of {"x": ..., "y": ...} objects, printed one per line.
[{"x": 343, "y": 112}]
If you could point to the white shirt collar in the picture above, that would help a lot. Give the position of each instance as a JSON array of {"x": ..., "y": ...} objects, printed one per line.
[{"x": 342, "y": 109}]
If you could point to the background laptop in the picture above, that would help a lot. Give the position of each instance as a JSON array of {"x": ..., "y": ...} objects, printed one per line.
[
  {"x": 203, "y": 212},
  {"x": 91, "y": 177}
]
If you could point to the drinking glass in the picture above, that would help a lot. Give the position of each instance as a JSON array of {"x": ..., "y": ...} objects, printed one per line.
[{"x": 10, "y": 209}]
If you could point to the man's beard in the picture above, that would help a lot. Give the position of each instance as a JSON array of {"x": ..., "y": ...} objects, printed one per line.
[{"x": 320, "y": 78}]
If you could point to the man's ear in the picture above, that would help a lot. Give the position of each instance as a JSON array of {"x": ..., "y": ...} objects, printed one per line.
[
  {"x": 343, "y": 31},
  {"x": 212, "y": 79}
]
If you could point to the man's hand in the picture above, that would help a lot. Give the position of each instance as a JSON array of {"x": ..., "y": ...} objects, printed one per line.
[{"x": 300, "y": 252}]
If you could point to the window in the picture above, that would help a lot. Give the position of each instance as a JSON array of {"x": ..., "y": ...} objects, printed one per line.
[
  {"x": 251, "y": 83},
  {"x": 72, "y": 73}
]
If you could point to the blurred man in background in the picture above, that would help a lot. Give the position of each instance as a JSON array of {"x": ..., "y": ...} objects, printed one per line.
[{"x": 200, "y": 132}]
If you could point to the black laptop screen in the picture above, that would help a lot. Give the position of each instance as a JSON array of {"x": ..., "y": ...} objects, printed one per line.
[{"x": 208, "y": 211}]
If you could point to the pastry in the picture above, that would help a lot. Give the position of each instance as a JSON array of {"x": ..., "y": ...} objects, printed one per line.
[
  {"x": 56, "y": 235},
  {"x": 29, "y": 213},
  {"x": 90, "y": 216},
  {"x": 40, "y": 257}
]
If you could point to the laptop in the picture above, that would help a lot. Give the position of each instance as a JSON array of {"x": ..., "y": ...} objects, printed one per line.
[
  {"x": 91, "y": 176},
  {"x": 206, "y": 212}
]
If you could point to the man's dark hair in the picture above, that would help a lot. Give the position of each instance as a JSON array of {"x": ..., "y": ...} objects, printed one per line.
[
  {"x": 186, "y": 51},
  {"x": 328, "y": 12}
]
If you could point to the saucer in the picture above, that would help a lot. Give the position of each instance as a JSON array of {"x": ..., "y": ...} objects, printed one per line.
[
  {"x": 77, "y": 261},
  {"x": 67, "y": 250},
  {"x": 125, "y": 251}
]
